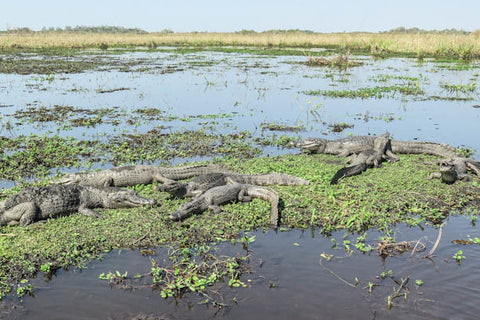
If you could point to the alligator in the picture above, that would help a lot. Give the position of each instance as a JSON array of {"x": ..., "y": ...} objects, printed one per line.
[
  {"x": 456, "y": 169},
  {"x": 202, "y": 183},
  {"x": 139, "y": 174},
  {"x": 342, "y": 147},
  {"x": 356, "y": 144},
  {"x": 368, "y": 158},
  {"x": 452, "y": 167},
  {"x": 232, "y": 191},
  {"x": 39, "y": 203}
]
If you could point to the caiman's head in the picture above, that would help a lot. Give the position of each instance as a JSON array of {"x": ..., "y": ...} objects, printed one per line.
[
  {"x": 185, "y": 210},
  {"x": 124, "y": 198},
  {"x": 175, "y": 188},
  {"x": 312, "y": 145},
  {"x": 448, "y": 172},
  {"x": 68, "y": 179}
]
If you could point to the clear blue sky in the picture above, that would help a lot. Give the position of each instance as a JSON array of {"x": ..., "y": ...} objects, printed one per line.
[{"x": 224, "y": 15}]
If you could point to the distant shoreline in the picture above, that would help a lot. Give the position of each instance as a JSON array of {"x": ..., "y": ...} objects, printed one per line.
[{"x": 451, "y": 45}]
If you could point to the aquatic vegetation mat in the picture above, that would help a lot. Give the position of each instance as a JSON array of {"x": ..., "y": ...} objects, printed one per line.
[{"x": 398, "y": 192}]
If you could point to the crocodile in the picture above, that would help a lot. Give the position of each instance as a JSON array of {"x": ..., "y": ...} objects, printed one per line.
[
  {"x": 232, "y": 191},
  {"x": 368, "y": 158},
  {"x": 140, "y": 174},
  {"x": 39, "y": 203},
  {"x": 202, "y": 183}
]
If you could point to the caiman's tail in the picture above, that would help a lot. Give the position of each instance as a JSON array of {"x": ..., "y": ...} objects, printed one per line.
[
  {"x": 474, "y": 166},
  {"x": 348, "y": 172},
  {"x": 269, "y": 195}
]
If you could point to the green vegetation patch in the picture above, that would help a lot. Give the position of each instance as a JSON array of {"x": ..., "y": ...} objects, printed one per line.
[
  {"x": 377, "y": 92},
  {"x": 35, "y": 156},
  {"x": 398, "y": 192},
  {"x": 154, "y": 145},
  {"x": 44, "y": 65}
]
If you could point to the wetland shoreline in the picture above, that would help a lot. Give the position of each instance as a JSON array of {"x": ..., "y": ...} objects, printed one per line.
[{"x": 90, "y": 109}]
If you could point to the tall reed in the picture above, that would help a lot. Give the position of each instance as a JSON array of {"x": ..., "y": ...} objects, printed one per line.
[{"x": 459, "y": 46}]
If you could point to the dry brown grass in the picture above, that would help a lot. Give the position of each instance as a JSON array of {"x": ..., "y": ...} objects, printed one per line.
[{"x": 449, "y": 45}]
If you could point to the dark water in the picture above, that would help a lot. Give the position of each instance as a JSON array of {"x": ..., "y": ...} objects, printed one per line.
[{"x": 303, "y": 288}]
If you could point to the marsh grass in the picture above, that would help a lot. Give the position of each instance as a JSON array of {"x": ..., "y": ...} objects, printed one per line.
[
  {"x": 456, "y": 46},
  {"x": 377, "y": 92}
]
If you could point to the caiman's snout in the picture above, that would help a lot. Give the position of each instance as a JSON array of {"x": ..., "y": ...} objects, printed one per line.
[
  {"x": 64, "y": 180},
  {"x": 312, "y": 145},
  {"x": 128, "y": 199}
]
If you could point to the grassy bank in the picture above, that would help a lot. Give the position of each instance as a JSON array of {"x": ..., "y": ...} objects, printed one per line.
[
  {"x": 379, "y": 198},
  {"x": 457, "y": 46}
]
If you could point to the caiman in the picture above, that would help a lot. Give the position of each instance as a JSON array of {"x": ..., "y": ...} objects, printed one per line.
[
  {"x": 202, "y": 183},
  {"x": 453, "y": 166},
  {"x": 232, "y": 191},
  {"x": 139, "y": 174},
  {"x": 456, "y": 169},
  {"x": 39, "y": 203},
  {"x": 368, "y": 158},
  {"x": 357, "y": 144}
]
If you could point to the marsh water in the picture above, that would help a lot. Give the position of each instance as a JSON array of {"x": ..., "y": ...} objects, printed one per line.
[
  {"x": 234, "y": 92},
  {"x": 290, "y": 278},
  {"x": 243, "y": 91}
]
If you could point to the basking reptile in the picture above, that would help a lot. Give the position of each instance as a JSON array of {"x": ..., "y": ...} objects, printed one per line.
[
  {"x": 202, "y": 183},
  {"x": 367, "y": 158},
  {"x": 341, "y": 147},
  {"x": 453, "y": 166},
  {"x": 232, "y": 191},
  {"x": 456, "y": 169},
  {"x": 40, "y": 203},
  {"x": 356, "y": 144},
  {"x": 133, "y": 175}
]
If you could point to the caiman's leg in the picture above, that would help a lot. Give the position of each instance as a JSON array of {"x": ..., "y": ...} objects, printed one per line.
[
  {"x": 434, "y": 175},
  {"x": 472, "y": 166},
  {"x": 159, "y": 178},
  {"x": 243, "y": 197},
  {"x": 390, "y": 156},
  {"x": 350, "y": 159},
  {"x": 24, "y": 213},
  {"x": 107, "y": 181},
  {"x": 215, "y": 208},
  {"x": 89, "y": 212}
]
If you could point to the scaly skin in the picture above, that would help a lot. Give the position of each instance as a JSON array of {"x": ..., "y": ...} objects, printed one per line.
[
  {"x": 452, "y": 168},
  {"x": 367, "y": 158},
  {"x": 356, "y": 144},
  {"x": 456, "y": 169},
  {"x": 214, "y": 197},
  {"x": 202, "y": 183},
  {"x": 133, "y": 175},
  {"x": 40, "y": 203},
  {"x": 423, "y": 147},
  {"x": 343, "y": 147}
]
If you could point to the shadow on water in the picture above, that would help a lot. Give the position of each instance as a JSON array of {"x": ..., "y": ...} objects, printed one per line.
[{"x": 291, "y": 278}]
